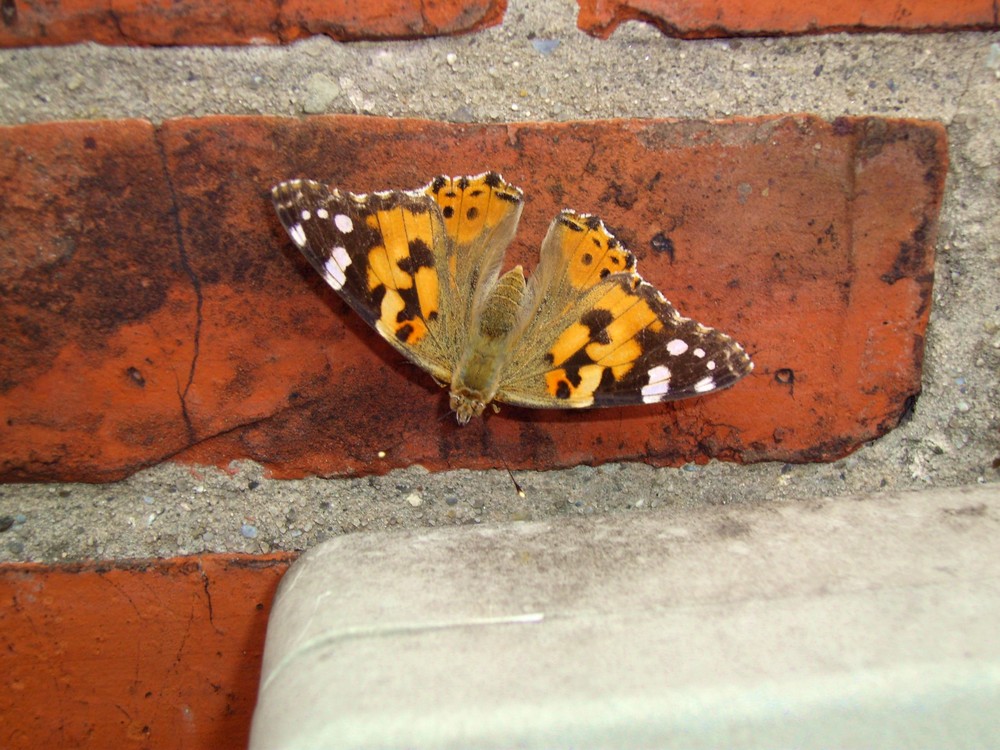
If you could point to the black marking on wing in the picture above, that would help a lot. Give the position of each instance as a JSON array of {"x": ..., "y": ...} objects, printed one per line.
[
  {"x": 687, "y": 369},
  {"x": 322, "y": 236}
]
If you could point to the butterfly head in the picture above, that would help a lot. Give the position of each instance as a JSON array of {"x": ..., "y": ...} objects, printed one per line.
[{"x": 466, "y": 404}]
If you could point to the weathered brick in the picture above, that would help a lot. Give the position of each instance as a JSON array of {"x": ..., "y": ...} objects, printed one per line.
[
  {"x": 721, "y": 18},
  {"x": 169, "y": 22},
  {"x": 97, "y": 309},
  {"x": 811, "y": 242},
  {"x": 162, "y": 654}
]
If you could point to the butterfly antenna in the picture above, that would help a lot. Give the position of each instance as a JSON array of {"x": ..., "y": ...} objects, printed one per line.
[{"x": 517, "y": 488}]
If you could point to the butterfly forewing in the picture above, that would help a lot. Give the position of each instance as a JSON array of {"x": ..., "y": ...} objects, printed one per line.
[{"x": 383, "y": 253}]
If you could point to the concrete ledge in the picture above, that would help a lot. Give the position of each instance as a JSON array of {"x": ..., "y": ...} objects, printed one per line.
[{"x": 868, "y": 621}]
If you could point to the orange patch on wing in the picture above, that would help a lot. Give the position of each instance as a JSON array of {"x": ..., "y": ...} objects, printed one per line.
[
  {"x": 629, "y": 314},
  {"x": 397, "y": 228},
  {"x": 418, "y": 226},
  {"x": 395, "y": 246},
  {"x": 471, "y": 210},
  {"x": 623, "y": 328},
  {"x": 620, "y": 371},
  {"x": 580, "y": 396},
  {"x": 418, "y": 329},
  {"x": 379, "y": 269},
  {"x": 428, "y": 291},
  {"x": 569, "y": 343},
  {"x": 591, "y": 252},
  {"x": 389, "y": 324},
  {"x": 590, "y": 378},
  {"x": 615, "y": 355}
]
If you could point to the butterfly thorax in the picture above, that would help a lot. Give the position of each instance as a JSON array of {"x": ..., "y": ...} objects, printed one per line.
[{"x": 477, "y": 375}]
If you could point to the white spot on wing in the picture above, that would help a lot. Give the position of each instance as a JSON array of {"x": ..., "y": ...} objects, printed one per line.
[
  {"x": 710, "y": 364},
  {"x": 699, "y": 352},
  {"x": 705, "y": 384},
  {"x": 344, "y": 223},
  {"x": 305, "y": 214},
  {"x": 659, "y": 384},
  {"x": 298, "y": 234},
  {"x": 336, "y": 266},
  {"x": 677, "y": 347},
  {"x": 322, "y": 213}
]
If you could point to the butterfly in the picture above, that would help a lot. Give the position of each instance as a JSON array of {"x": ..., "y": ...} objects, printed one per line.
[{"x": 422, "y": 267}]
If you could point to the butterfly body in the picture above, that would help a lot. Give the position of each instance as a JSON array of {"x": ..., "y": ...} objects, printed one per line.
[
  {"x": 477, "y": 375},
  {"x": 423, "y": 268}
]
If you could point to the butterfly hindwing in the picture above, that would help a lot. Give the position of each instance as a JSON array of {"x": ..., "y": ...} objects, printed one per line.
[{"x": 594, "y": 333}]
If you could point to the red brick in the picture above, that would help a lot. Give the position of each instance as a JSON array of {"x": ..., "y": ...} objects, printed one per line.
[
  {"x": 811, "y": 242},
  {"x": 347, "y": 20},
  {"x": 720, "y": 18},
  {"x": 97, "y": 309},
  {"x": 177, "y": 22},
  {"x": 162, "y": 654}
]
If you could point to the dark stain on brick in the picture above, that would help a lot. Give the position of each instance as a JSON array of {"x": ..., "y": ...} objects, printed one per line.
[
  {"x": 661, "y": 243},
  {"x": 786, "y": 376},
  {"x": 875, "y": 134},
  {"x": 901, "y": 413},
  {"x": 622, "y": 196},
  {"x": 113, "y": 281},
  {"x": 537, "y": 443},
  {"x": 9, "y": 12},
  {"x": 824, "y": 451},
  {"x": 909, "y": 407},
  {"x": 106, "y": 261},
  {"x": 912, "y": 255},
  {"x": 843, "y": 126},
  {"x": 557, "y": 191},
  {"x": 136, "y": 377},
  {"x": 926, "y": 281}
]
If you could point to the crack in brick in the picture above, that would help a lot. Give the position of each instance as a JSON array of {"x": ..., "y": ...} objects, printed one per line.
[
  {"x": 208, "y": 599},
  {"x": 117, "y": 21},
  {"x": 208, "y": 596},
  {"x": 195, "y": 285}
]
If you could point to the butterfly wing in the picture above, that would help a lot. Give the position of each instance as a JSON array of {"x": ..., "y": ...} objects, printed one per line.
[
  {"x": 480, "y": 216},
  {"x": 593, "y": 333},
  {"x": 413, "y": 264},
  {"x": 385, "y": 255}
]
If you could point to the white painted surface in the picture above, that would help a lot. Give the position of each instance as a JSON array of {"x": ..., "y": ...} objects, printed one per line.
[{"x": 864, "y": 622}]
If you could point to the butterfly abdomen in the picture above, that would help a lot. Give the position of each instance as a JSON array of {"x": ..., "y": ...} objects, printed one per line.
[
  {"x": 477, "y": 375},
  {"x": 500, "y": 309}
]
